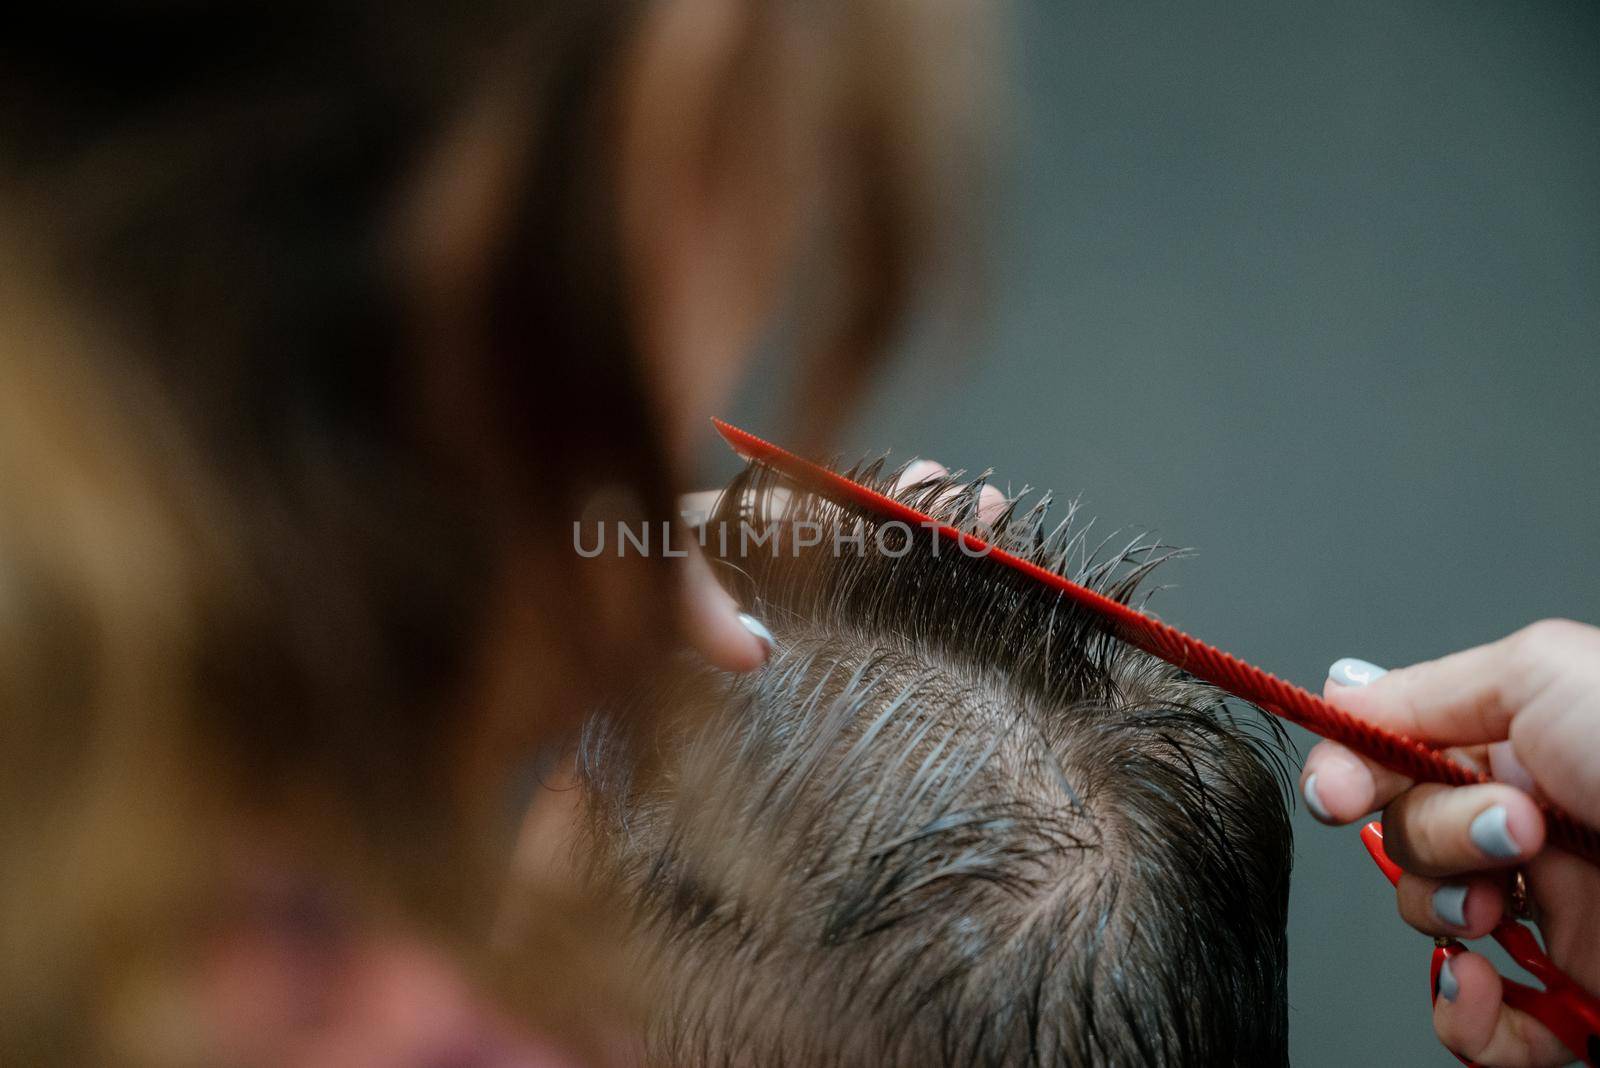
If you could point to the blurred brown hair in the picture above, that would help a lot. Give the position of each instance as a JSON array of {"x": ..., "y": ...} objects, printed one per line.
[{"x": 316, "y": 332}]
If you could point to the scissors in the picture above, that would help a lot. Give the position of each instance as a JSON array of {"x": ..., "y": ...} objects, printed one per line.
[{"x": 1564, "y": 1007}]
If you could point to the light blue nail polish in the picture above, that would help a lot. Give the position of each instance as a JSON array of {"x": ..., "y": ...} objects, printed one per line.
[
  {"x": 1449, "y": 985},
  {"x": 1352, "y": 672},
  {"x": 759, "y": 629},
  {"x": 1313, "y": 802},
  {"x": 1450, "y": 904},
  {"x": 1490, "y": 834}
]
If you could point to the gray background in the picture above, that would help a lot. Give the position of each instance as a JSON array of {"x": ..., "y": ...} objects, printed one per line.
[{"x": 1314, "y": 288}]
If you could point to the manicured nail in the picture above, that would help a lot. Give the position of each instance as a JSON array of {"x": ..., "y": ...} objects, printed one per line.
[
  {"x": 1449, "y": 985},
  {"x": 1490, "y": 834},
  {"x": 919, "y": 471},
  {"x": 1450, "y": 905},
  {"x": 1352, "y": 672},
  {"x": 759, "y": 629},
  {"x": 1313, "y": 802}
]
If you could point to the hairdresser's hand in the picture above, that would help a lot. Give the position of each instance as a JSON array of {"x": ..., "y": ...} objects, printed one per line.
[
  {"x": 735, "y": 640},
  {"x": 1526, "y": 709},
  {"x": 731, "y": 639}
]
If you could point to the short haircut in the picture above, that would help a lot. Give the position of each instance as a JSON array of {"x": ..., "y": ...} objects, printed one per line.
[{"x": 951, "y": 822}]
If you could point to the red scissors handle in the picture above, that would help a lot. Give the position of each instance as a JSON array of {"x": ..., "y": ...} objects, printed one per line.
[{"x": 1570, "y": 1012}]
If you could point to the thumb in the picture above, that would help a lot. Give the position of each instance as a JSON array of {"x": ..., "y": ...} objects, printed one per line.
[{"x": 730, "y": 639}]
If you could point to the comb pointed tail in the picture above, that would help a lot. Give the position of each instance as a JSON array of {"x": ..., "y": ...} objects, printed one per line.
[{"x": 743, "y": 443}]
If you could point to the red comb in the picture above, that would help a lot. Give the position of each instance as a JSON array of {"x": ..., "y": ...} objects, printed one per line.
[{"x": 1410, "y": 758}]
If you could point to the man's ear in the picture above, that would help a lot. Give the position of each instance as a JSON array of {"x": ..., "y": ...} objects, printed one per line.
[{"x": 713, "y": 133}]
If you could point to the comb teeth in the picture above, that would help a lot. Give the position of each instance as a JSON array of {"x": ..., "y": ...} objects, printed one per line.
[{"x": 1401, "y": 754}]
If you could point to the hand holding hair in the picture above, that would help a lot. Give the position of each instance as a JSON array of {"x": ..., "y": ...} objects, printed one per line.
[
  {"x": 728, "y": 637},
  {"x": 731, "y": 638}
]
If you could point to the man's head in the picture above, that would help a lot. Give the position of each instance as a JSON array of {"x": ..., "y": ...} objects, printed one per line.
[{"x": 950, "y": 822}]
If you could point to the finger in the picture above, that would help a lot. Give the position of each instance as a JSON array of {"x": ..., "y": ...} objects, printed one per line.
[
  {"x": 1471, "y": 697},
  {"x": 1340, "y": 786},
  {"x": 991, "y": 501},
  {"x": 696, "y": 508},
  {"x": 1456, "y": 699},
  {"x": 713, "y": 623},
  {"x": 1441, "y": 830},
  {"x": 1472, "y": 1020},
  {"x": 1459, "y": 908},
  {"x": 920, "y": 471},
  {"x": 991, "y": 504},
  {"x": 1564, "y": 889},
  {"x": 1507, "y": 767}
]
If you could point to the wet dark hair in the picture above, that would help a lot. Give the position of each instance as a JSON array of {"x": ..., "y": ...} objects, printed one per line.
[{"x": 952, "y": 822}]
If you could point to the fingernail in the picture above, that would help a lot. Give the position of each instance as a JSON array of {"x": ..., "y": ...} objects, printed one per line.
[
  {"x": 919, "y": 471},
  {"x": 1313, "y": 802},
  {"x": 759, "y": 629},
  {"x": 1505, "y": 767},
  {"x": 1449, "y": 985},
  {"x": 1352, "y": 672},
  {"x": 1450, "y": 905},
  {"x": 1490, "y": 834}
]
